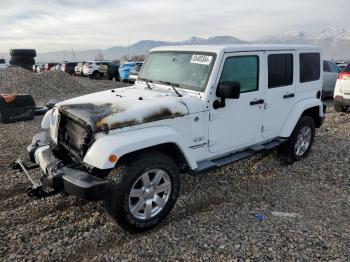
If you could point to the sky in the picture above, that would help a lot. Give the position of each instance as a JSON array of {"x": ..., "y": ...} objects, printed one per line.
[{"x": 53, "y": 25}]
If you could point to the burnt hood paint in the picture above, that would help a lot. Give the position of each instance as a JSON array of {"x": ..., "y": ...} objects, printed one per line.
[{"x": 128, "y": 106}]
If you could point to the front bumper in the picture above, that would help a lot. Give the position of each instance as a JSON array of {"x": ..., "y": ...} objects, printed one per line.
[
  {"x": 133, "y": 77},
  {"x": 341, "y": 102},
  {"x": 63, "y": 177}
]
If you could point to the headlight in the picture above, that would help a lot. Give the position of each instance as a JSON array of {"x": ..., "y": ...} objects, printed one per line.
[{"x": 54, "y": 120}]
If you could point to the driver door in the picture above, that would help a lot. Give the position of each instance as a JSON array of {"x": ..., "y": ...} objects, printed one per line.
[{"x": 239, "y": 123}]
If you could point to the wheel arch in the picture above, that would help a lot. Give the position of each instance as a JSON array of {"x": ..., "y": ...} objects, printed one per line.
[
  {"x": 169, "y": 149},
  {"x": 309, "y": 107},
  {"x": 124, "y": 145}
]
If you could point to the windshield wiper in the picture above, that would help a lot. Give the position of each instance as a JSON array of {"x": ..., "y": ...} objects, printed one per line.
[
  {"x": 173, "y": 86},
  {"x": 147, "y": 83}
]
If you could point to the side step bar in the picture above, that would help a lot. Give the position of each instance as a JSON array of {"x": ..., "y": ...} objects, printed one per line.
[{"x": 208, "y": 165}]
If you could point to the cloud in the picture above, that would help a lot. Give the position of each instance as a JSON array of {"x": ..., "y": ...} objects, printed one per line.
[{"x": 87, "y": 24}]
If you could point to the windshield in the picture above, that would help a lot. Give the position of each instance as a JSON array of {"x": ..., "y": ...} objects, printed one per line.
[{"x": 189, "y": 70}]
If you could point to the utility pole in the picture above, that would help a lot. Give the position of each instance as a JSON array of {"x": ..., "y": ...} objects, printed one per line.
[
  {"x": 73, "y": 55},
  {"x": 128, "y": 48}
]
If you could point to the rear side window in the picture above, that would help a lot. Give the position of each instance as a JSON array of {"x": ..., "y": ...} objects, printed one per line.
[
  {"x": 326, "y": 67},
  {"x": 310, "y": 67},
  {"x": 242, "y": 69},
  {"x": 280, "y": 70}
]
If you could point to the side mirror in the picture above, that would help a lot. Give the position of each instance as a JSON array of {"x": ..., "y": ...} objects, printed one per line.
[{"x": 227, "y": 89}]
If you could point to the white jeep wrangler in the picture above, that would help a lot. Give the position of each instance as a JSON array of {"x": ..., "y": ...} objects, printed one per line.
[{"x": 192, "y": 109}]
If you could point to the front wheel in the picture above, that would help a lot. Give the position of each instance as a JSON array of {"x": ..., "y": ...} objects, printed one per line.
[
  {"x": 300, "y": 142},
  {"x": 142, "y": 192}
]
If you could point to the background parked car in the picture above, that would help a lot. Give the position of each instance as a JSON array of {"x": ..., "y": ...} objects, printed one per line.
[
  {"x": 58, "y": 67},
  {"x": 79, "y": 69},
  {"x": 342, "y": 91},
  {"x": 91, "y": 69},
  {"x": 134, "y": 72},
  {"x": 110, "y": 70},
  {"x": 69, "y": 67},
  {"x": 125, "y": 68},
  {"x": 330, "y": 75},
  {"x": 3, "y": 64},
  {"x": 40, "y": 68},
  {"x": 48, "y": 66},
  {"x": 342, "y": 66}
]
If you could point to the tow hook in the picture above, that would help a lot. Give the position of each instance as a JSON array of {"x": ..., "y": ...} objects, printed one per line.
[{"x": 36, "y": 190}]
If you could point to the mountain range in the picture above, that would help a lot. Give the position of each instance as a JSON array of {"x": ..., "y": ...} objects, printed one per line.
[{"x": 334, "y": 42}]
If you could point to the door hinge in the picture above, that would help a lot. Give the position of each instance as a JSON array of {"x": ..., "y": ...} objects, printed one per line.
[
  {"x": 213, "y": 116},
  {"x": 212, "y": 142}
]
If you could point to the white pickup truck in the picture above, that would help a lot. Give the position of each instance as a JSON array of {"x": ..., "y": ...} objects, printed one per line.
[{"x": 191, "y": 110}]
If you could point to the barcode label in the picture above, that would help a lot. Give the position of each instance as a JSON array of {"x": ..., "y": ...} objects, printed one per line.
[{"x": 201, "y": 59}]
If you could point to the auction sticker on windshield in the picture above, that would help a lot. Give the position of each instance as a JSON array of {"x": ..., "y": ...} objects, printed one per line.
[{"x": 201, "y": 59}]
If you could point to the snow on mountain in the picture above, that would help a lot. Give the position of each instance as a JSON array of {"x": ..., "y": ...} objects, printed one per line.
[
  {"x": 193, "y": 41},
  {"x": 334, "y": 42}
]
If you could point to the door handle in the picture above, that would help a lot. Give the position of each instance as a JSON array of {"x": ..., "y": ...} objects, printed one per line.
[
  {"x": 289, "y": 95},
  {"x": 257, "y": 102}
]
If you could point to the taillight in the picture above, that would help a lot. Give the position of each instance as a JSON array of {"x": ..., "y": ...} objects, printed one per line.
[
  {"x": 344, "y": 76},
  {"x": 338, "y": 99}
]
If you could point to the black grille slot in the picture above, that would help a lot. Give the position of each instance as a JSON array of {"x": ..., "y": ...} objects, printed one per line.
[{"x": 74, "y": 136}]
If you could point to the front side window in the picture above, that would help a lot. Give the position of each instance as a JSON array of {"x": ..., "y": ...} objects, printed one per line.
[
  {"x": 310, "y": 67},
  {"x": 280, "y": 67},
  {"x": 242, "y": 69},
  {"x": 189, "y": 70}
]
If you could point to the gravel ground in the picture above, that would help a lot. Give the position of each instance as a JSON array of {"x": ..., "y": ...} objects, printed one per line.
[
  {"x": 49, "y": 84},
  {"x": 214, "y": 218}
]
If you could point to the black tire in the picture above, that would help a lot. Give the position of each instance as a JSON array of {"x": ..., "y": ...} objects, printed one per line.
[
  {"x": 23, "y": 52},
  {"x": 22, "y": 60},
  {"x": 339, "y": 108},
  {"x": 97, "y": 75},
  {"x": 288, "y": 150},
  {"x": 123, "y": 178}
]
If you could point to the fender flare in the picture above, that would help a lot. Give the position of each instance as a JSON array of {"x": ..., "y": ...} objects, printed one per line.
[
  {"x": 120, "y": 144},
  {"x": 297, "y": 112},
  {"x": 45, "y": 123}
]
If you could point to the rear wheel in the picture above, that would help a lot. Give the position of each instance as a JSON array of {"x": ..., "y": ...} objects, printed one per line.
[
  {"x": 339, "y": 108},
  {"x": 143, "y": 191},
  {"x": 300, "y": 142},
  {"x": 97, "y": 75}
]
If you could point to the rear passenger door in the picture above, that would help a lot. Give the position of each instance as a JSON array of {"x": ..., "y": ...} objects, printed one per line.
[{"x": 280, "y": 91}]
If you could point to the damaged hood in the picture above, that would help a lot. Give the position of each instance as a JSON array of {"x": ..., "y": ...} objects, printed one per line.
[{"x": 129, "y": 106}]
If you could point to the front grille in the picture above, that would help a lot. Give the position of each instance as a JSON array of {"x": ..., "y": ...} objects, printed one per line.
[{"x": 74, "y": 136}]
